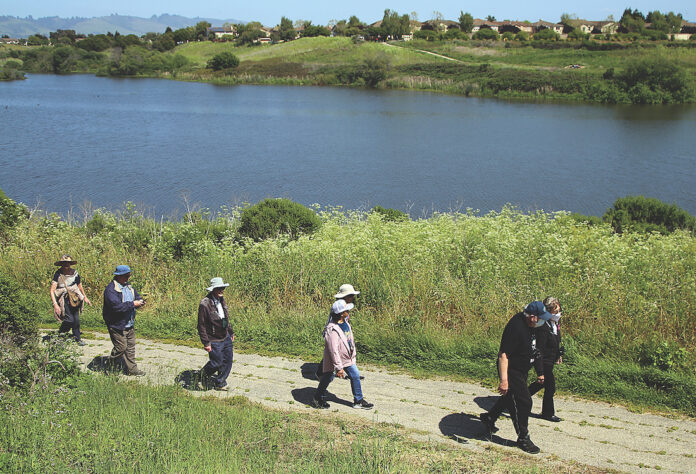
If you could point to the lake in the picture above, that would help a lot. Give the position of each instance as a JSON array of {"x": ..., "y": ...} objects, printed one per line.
[{"x": 70, "y": 140}]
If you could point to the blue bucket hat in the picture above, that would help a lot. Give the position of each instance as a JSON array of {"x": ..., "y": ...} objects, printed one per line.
[
  {"x": 537, "y": 308},
  {"x": 122, "y": 270}
]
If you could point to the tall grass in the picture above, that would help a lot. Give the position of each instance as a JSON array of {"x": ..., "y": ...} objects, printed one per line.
[{"x": 436, "y": 292}]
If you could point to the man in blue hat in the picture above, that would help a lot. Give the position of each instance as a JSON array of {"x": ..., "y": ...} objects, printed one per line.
[
  {"x": 120, "y": 303},
  {"x": 517, "y": 353}
]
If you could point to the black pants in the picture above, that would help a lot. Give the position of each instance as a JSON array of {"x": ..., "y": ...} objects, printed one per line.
[
  {"x": 517, "y": 400},
  {"x": 71, "y": 321},
  {"x": 549, "y": 386}
]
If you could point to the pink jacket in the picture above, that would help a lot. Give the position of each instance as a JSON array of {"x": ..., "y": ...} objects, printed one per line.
[{"x": 337, "y": 352}]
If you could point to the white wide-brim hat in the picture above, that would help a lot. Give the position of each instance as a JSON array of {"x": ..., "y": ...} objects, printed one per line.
[
  {"x": 217, "y": 283},
  {"x": 346, "y": 290}
]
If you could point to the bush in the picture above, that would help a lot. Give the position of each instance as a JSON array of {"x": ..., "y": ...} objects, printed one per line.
[
  {"x": 522, "y": 36},
  {"x": 651, "y": 81},
  {"x": 18, "y": 314},
  {"x": 224, "y": 60},
  {"x": 486, "y": 34},
  {"x": 641, "y": 214},
  {"x": 662, "y": 354},
  {"x": 546, "y": 34},
  {"x": 389, "y": 214},
  {"x": 10, "y": 213},
  {"x": 273, "y": 217}
]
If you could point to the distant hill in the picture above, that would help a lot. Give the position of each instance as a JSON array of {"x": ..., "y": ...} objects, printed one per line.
[{"x": 15, "y": 27}]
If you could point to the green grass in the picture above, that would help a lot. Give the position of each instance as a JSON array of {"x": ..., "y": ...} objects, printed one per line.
[
  {"x": 102, "y": 425},
  {"x": 436, "y": 292}
]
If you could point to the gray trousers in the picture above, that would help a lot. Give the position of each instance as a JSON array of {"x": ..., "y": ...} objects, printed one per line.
[{"x": 124, "y": 348}]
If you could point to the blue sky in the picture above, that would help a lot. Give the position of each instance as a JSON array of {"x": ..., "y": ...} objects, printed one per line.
[{"x": 320, "y": 12}]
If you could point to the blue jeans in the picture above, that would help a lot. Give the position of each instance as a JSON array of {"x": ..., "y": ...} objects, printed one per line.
[
  {"x": 221, "y": 355},
  {"x": 352, "y": 374}
]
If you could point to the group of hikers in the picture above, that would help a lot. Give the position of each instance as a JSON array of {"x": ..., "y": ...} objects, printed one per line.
[{"x": 531, "y": 338}]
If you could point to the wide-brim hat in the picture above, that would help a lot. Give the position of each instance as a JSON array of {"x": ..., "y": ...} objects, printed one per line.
[
  {"x": 65, "y": 259},
  {"x": 216, "y": 283},
  {"x": 341, "y": 306},
  {"x": 346, "y": 290},
  {"x": 122, "y": 270}
]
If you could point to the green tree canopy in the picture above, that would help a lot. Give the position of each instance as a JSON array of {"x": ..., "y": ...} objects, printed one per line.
[
  {"x": 466, "y": 22},
  {"x": 224, "y": 60}
]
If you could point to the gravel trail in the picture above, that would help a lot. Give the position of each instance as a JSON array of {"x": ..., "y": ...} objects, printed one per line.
[{"x": 593, "y": 433}]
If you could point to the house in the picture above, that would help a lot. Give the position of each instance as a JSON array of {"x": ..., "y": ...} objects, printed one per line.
[
  {"x": 543, "y": 25},
  {"x": 594, "y": 27},
  {"x": 515, "y": 26},
  {"x": 439, "y": 25},
  {"x": 10, "y": 41},
  {"x": 481, "y": 24},
  {"x": 219, "y": 31},
  {"x": 264, "y": 40}
]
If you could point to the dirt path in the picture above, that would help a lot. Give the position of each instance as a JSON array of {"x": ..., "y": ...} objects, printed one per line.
[{"x": 592, "y": 433}]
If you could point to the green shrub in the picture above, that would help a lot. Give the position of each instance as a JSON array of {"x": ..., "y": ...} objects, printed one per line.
[
  {"x": 589, "y": 220},
  {"x": 665, "y": 355},
  {"x": 522, "y": 36},
  {"x": 656, "y": 80},
  {"x": 389, "y": 214},
  {"x": 224, "y": 60},
  {"x": 486, "y": 34},
  {"x": 18, "y": 313},
  {"x": 546, "y": 34},
  {"x": 273, "y": 217},
  {"x": 641, "y": 214},
  {"x": 10, "y": 212}
]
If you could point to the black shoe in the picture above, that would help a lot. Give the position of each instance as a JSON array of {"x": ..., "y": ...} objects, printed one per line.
[
  {"x": 526, "y": 445},
  {"x": 553, "y": 418},
  {"x": 81, "y": 343},
  {"x": 489, "y": 424},
  {"x": 364, "y": 404},
  {"x": 322, "y": 404}
]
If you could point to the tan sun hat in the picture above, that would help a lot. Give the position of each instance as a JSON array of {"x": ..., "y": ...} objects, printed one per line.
[
  {"x": 346, "y": 290},
  {"x": 65, "y": 259}
]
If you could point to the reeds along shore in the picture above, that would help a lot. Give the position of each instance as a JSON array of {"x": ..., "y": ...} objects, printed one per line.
[{"x": 436, "y": 292}]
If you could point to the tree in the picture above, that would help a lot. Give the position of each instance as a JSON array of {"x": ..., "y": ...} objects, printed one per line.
[
  {"x": 395, "y": 26},
  {"x": 287, "y": 29},
  {"x": 315, "y": 30},
  {"x": 224, "y": 60},
  {"x": 63, "y": 60},
  {"x": 37, "y": 40},
  {"x": 632, "y": 21},
  {"x": 466, "y": 22},
  {"x": 437, "y": 16},
  {"x": 490, "y": 18},
  {"x": 201, "y": 30},
  {"x": 354, "y": 22}
]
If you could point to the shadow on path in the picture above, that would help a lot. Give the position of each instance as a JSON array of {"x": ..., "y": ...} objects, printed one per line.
[
  {"x": 104, "y": 365},
  {"x": 309, "y": 370},
  {"x": 306, "y": 395},
  {"x": 189, "y": 379},
  {"x": 462, "y": 427}
]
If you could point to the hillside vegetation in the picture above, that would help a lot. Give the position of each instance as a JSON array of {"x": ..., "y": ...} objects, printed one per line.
[{"x": 523, "y": 69}]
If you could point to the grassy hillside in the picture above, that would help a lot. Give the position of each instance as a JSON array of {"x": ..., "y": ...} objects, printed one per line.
[{"x": 641, "y": 72}]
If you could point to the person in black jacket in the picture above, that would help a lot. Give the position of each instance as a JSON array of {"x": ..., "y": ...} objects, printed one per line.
[
  {"x": 217, "y": 335},
  {"x": 515, "y": 358},
  {"x": 548, "y": 337}
]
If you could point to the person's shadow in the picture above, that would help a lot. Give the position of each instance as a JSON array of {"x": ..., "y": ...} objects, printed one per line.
[
  {"x": 309, "y": 370},
  {"x": 105, "y": 365},
  {"x": 189, "y": 380},
  {"x": 306, "y": 396},
  {"x": 462, "y": 427}
]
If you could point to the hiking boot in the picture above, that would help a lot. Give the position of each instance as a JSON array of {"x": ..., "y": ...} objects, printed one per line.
[
  {"x": 81, "y": 343},
  {"x": 321, "y": 404},
  {"x": 553, "y": 418},
  {"x": 526, "y": 445},
  {"x": 221, "y": 388},
  {"x": 136, "y": 373},
  {"x": 489, "y": 423},
  {"x": 363, "y": 404}
]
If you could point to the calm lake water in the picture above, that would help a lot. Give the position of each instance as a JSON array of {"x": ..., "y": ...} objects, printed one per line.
[{"x": 67, "y": 140}]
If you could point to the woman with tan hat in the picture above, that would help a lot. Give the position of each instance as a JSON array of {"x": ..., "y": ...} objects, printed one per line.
[{"x": 68, "y": 297}]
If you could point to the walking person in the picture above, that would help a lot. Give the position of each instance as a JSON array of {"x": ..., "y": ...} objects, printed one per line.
[
  {"x": 548, "y": 337},
  {"x": 347, "y": 293},
  {"x": 68, "y": 297},
  {"x": 120, "y": 302},
  {"x": 516, "y": 356},
  {"x": 340, "y": 357},
  {"x": 216, "y": 334}
]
